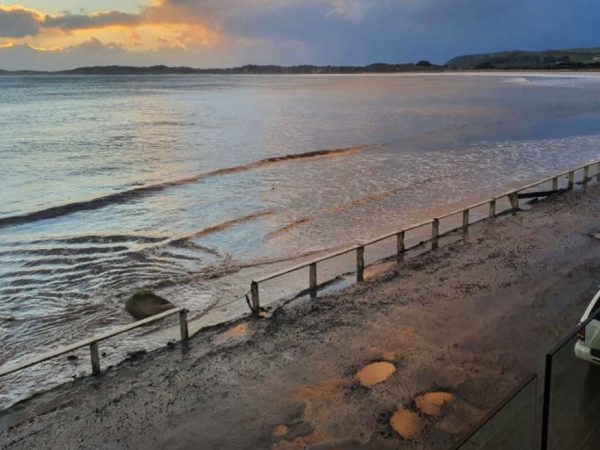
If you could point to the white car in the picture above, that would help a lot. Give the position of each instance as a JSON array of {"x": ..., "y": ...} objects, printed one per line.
[{"x": 588, "y": 344}]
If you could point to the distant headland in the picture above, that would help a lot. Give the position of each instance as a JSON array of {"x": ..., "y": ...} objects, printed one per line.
[{"x": 566, "y": 59}]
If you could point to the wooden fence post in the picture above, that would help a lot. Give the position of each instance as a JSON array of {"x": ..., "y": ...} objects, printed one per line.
[
  {"x": 571, "y": 180},
  {"x": 312, "y": 280},
  {"x": 95, "y": 357},
  {"x": 400, "y": 245},
  {"x": 492, "y": 208},
  {"x": 255, "y": 297},
  {"x": 435, "y": 233},
  {"x": 555, "y": 184},
  {"x": 514, "y": 200},
  {"x": 360, "y": 264},
  {"x": 183, "y": 325},
  {"x": 586, "y": 174},
  {"x": 598, "y": 172},
  {"x": 465, "y": 221}
]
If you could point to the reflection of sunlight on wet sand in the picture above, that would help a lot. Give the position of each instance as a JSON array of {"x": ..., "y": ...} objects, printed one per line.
[{"x": 319, "y": 404}]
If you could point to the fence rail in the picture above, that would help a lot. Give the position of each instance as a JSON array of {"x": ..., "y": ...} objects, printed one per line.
[
  {"x": 93, "y": 342},
  {"x": 512, "y": 196}
]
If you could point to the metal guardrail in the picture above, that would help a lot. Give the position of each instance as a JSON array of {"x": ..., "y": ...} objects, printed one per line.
[
  {"x": 515, "y": 392},
  {"x": 543, "y": 420},
  {"x": 513, "y": 197},
  {"x": 93, "y": 342},
  {"x": 548, "y": 371}
]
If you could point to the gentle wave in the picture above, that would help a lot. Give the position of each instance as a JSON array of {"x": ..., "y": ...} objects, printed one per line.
[
  {"x": 61, "y": 264},
  {"x": 378, "y": 196},
  {"x": 221, "y": 226},
  {"x": 125, "y": 196}
]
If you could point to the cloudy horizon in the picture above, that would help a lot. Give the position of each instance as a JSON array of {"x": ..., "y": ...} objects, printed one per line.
[{"x": 64, "y": 34}]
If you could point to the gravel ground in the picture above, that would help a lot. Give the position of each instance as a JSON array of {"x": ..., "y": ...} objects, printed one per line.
[{"x": 464, "y": 323}]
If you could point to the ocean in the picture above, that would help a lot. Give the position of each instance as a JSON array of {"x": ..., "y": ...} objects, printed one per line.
[{"x": 188, "y": 185}]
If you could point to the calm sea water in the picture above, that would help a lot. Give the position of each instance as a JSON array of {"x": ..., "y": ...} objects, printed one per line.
[{"x": 110, "y": 184}]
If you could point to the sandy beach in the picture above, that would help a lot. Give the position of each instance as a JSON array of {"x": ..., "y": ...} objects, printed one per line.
[{"x": 450, "y": 332}]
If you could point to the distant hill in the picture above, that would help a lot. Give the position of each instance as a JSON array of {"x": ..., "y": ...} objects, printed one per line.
[
  {"x": 577, "y": 58},
  {"x": 248, "y": 69},
  {"x": 574, "y": 59}
]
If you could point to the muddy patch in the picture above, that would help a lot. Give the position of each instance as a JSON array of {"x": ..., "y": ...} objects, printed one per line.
[
  {"x": 237, "y": 331},
  {"x": 433, "y": 403},
  {"x": 375, "y": 373},
  {"x": 375, "y": 270},
  {"x": 406, "y": 423},
  {"x": 280, "y": 430}
]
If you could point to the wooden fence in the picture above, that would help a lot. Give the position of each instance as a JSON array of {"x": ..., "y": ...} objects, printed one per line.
[
  {"x": 513, "y": 197},
  {"x": 93, "y": 342}
]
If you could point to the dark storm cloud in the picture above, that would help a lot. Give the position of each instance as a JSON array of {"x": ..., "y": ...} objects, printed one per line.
[
  {"x": 408, "y": 30},
  {"x": 18, "y": 22},
  {"x": 344, "y": 31}
]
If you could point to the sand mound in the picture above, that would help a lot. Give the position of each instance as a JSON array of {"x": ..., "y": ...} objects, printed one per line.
[{"x": 375, "y": 373}]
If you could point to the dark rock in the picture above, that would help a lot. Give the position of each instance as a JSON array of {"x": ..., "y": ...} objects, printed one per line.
[
  {"x": 145, "y": 304},
  {"x": 137, "y": 354},
  {"x": 72, "y": 358}
]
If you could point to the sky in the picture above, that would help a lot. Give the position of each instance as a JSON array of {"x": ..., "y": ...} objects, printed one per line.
[{"x": 63, "y": 34}]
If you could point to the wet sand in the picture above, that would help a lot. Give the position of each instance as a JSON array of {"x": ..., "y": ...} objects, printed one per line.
[{"x": 461, "y": 326}]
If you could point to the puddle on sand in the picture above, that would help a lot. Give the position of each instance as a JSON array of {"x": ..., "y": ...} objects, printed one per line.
[
  {"x": 432, "y": 403},
  {"x": 406, "y": 423},
  {"x": 239, "y": 330},
  {"x": 375, "y": 373},
  {"x": 280, "y": 430}
]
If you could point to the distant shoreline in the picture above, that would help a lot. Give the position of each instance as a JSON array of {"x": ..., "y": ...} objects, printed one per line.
[
  {"x": 263, "y": 70},
  {"x": 582, "y": 59}
]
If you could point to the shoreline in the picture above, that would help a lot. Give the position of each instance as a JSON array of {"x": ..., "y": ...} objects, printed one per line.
[
  {"x": 470, "y": 319},
  {"x": 338, "y": 271},
  {"x": 461, "y": 72}
]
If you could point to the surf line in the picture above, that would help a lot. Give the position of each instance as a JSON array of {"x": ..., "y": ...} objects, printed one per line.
[{"x": 128, "y": 195}]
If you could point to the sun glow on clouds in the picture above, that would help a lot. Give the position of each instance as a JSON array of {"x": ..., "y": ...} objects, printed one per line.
[
  {"x": 161, "y": 24},
  {"x": 145, "y": 31},
  {"x": 209, "y": 33},
  {"x": 144, "y": 37}
]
